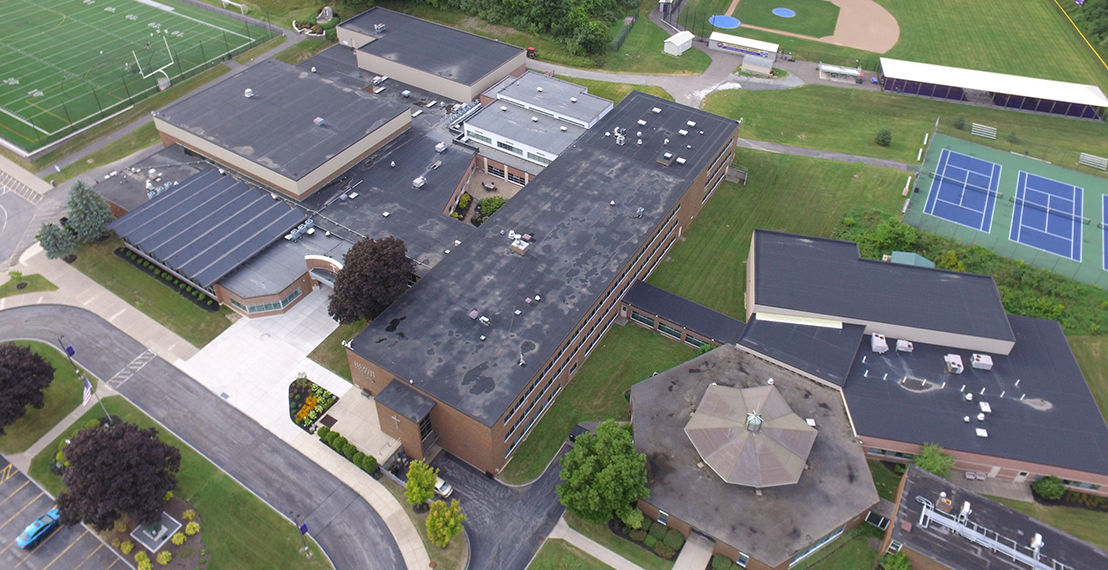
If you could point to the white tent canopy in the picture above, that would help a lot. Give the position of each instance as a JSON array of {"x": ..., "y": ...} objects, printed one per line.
[{"x": 994, "y": 82}]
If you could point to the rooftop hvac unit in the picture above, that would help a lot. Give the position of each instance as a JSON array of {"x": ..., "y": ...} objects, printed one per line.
[
  {"x": 562, "y": 128},
  {"x": 953, "y": 364},
  {"x": 681, "y": 160},
  {"x": 682, "y": 132},
  {"x": 691, "y": 124},
  {"x": 985, "y": 407},
  {"x": 642, "y": 122},
  {"x": 503, "y": 107},
  {"x": 441, "y": 147},
  {"x": 534, "y": 119},
  {"x": 572, "y": 99},
  {"x": 904, "y": 346},
  {"x": 981, "y": 417},
  {"x": 248, "y": 93},
  {"x": 484, "y": 321},
  {"x": 640, "y": 212},
  {"x": 539, "y": 89},
  {"x": 981, "y": 432},
  {"x": 318, "y": 121},
  {"x": 656, "y": 110},
  {"x": 378, "y": 28},
  {"x": 982, "y": 362},
  {"x": 639, "y": 142},
  {"x": 877, "y": 343},
  {"x": 619, "y": 139}
]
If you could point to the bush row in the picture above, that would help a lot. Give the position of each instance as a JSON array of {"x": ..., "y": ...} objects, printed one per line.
[
  {"x": 664, "y": 541},
  {"x": 199, "y": 297},
  {"x": 337, "y": 442}
]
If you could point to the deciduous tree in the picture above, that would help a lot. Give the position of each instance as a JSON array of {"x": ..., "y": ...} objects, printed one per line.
[
  {"x": 117, "y": 470},
  {"x": 421, "y": 482},
  {"x": 932, "y": 458},
  {"x": 444, "y": 522},
  {"x": 1050, "y": 488},
  {"x": 23, "y": 377},
  {"x": 603, "y": 474},
  {"x": 374, "y": 275},
  {"x": 56, "y": 242},
  {"x": 88, "y": 212}
]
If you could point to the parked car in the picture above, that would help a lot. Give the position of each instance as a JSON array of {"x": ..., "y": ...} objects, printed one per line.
[
  {"x": 39, "y": 529},
  {"x": 442, "y": 488}
]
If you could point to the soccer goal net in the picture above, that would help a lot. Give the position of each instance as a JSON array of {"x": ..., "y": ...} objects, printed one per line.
[{"x": 243, "y": 8}]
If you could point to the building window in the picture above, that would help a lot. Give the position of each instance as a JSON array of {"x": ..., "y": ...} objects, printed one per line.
[
  {"x": 816, "y": 545},
  {"x": 517, "y": 179},
  {"x": 495, "y": 171},
  {"x": 539, "y": 159},
  {"x": 895, "y": 546},
  {"x": 894, "y": 454},
  {"x": 663, "y": 516},
  {"x": 481, "y": 138},
  {"x": 265, "y": 307},
  {"x": 742, "y": 559},
  {"x": 425, "y": 427},
  {"x": 636, "y": 316},
  {"x": 508, "y": 147},
  {"x": 877, "y": 520},
  {"x": 693, "y": 341},
  {"x": 668, "y": 330}
]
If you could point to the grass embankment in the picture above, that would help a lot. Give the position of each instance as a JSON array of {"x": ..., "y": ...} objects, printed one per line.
[
  {"x": 35, "y": 284},
  {"x": 615, "y": 92},
  {"x": 642, "y": 51},
  {"x": 306, "y": 49},
  {"x": 626, "y": 355},
  {"x": 800, "y": 117},
  {"x": 886, "y": 481},
  {"x": 786, "y": 193},
  {"x": 1092, "y": 357},
  {"x": 1088, "y": 525},
  {"x": 645, "y": 559},
  {"x": 62, "y": 396},
  {"x": 240, "y": 531},
  {"x": 331, "y": 354},
  {"x": 255, "y": 51},
  {"x": 815, "y": 18},
  {"x": 557, "y": 554},
  {"x": 122, "y": 147},
  {"x": 142, "y": 292},
  {"x": 141, "y": 109},
  {"x": 454, "y": 556},
  {"x": 849, "y": 551}
]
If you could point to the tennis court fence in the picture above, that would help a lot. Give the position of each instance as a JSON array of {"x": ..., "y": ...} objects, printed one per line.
[{"x": 1070, "y": 158}]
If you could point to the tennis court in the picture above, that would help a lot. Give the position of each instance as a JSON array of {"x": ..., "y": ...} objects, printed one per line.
[
  {"x": 1015, "y": 205},
  {"x": 964, "y": 190},
  {"x": 1047, "y": 215},
  {"x": 65, "y": 64}
]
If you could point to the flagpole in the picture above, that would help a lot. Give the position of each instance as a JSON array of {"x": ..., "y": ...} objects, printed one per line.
[
  {"x": 81, "y": 374},
  {"x": 99, "y": 401}
]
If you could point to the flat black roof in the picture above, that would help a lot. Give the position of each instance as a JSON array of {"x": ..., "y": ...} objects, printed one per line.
[
  {"x": 829, "y": 277},
  {"x": 275, "y": 127},
  {"x": 939, "y": 544},
  {"x": 1042, "y": 409},
  {"x": 823, "y": 352},
  {"x": 402, "y": 399},
  {"x": 772, "y": 527},
  {"x": 433, "y": 48},
  {"x": 207, "y": 226},
  {"x": 676, "y": 309},
  {"x": 581, "y": 244},
  {"x": 127, "y": 189}
]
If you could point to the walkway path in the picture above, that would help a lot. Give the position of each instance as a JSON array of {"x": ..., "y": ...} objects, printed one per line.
[
  {"x": 593, "y": 548},
  {"x": 22, "y": 461},
  {"x": 824, "y": 154},
  {"x": 696, "y": 553}
]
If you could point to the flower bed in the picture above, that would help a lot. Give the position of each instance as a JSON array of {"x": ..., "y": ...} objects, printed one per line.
[
  {"x": 185, "y": 550},
  {"x": 308, "y": 402}
]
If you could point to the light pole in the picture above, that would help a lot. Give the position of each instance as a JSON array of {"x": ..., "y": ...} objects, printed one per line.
[{"x": 303, "y": 528}]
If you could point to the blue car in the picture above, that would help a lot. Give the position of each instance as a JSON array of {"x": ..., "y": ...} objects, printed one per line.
[{"x": 42, "y": 527}]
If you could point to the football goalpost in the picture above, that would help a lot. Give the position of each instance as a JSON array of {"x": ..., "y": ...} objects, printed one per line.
[
  {"x": 243, "y": 8},
  {"x": 148, "y": 75}
]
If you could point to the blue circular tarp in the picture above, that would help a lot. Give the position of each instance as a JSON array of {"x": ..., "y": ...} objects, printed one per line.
[
  {"x": 725, "y": 22},
  {"x": 783, "y": 12}
]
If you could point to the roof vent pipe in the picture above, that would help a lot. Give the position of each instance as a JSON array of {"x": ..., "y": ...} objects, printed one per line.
[
  {"x": 534, "y": 119},
  {"x": 572, "y": 99},
  {"x": 318, "y": 121},
  {"x": 248, "y": 93},
  {"x": 539, "y": 89}
]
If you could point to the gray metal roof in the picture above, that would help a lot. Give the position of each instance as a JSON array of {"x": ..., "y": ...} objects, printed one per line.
[
  {"x": 823, "y": 352},
  {"x": 954, "y": 551},
  {"x": 402, "y": 399},
  {"x": 207, "y": 226},
  {"x": 829, "y": 277},
  {"x": 275, "y": 127},
  {"x": 783, "y": 520},
  {"x": 556, "y": 96},
  {"x": 275, "y": 268},
  {"x": 698, "y": 319},
  {"x": 1042, "y": 409},
  {"x": 433, "y": 48},
  {"x": 581, "y": 244},
  {"x": 514, "y": 123}
]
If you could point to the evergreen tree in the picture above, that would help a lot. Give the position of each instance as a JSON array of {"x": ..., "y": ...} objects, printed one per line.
[
  {"x": 56, "y": 241},
  {"x": 88, "y": 212}
]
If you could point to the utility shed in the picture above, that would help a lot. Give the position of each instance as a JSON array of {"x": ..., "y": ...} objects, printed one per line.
[
  {"x": 678, "y": 43},
  {"x": 757, "y": 65}
]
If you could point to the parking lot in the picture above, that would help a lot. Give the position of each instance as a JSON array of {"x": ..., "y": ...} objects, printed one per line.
[{"x": 68, "y": 548}]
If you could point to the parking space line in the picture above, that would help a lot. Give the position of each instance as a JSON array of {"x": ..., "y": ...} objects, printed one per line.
[
  {"x": 40, "y": 545},
  {"x": 29, "y": 503},
  {"x": 62, "y": 553},
  {"x": 8, "y": 472},
  {"x": 98, "y": 547},
  {"x": 25, "y": 483}
]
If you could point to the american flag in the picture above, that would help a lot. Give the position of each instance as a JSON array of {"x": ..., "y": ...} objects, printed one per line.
[{"x": 88, "y": 393}]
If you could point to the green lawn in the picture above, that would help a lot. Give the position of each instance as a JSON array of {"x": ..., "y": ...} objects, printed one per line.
[
  {"x": 615, "y": 92},
  {"x": 815, "y": 18},
  {"x": 850, "y": 551},
  {"x": 1092, "y": 356},
  {"x": 886, "y": 481},
  {"x": 142, "y": 292},
  {"x": 35, "y": 284},
  {"x": 240, "y": 531},
  {"x": 255, "y": 51},
  {"x": 626, "y": 355},
  {"x": 787, "y": 193},
  {"x": 642, "y": 51},
  {"x": 331, "y": 354},
  {"x": 1090, "y": 526},
  {"x": 454, "y": 556},
  {"x": 62, "y": 396},
  {"x": 557, "y": 554},
  {"x": 297, "y": 53},
  {"x": 645, "y": 559},
  {"x": 846, "y": 120},
  {"x": 122, "y": 147}
]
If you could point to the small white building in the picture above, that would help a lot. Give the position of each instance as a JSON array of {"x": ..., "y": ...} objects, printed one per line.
[
  {"x": 678, "y": 43},
  {"x": 757, "y": 65}
]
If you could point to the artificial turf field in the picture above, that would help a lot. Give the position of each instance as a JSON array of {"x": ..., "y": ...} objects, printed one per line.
[{"x": 64, "y": 64}]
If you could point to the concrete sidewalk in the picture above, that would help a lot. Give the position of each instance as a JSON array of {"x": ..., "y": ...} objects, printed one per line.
[
  {"x": 22, "y": 461},
  {"x": 779, "y": 148},
  {"x": 594, "y": 549}
]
